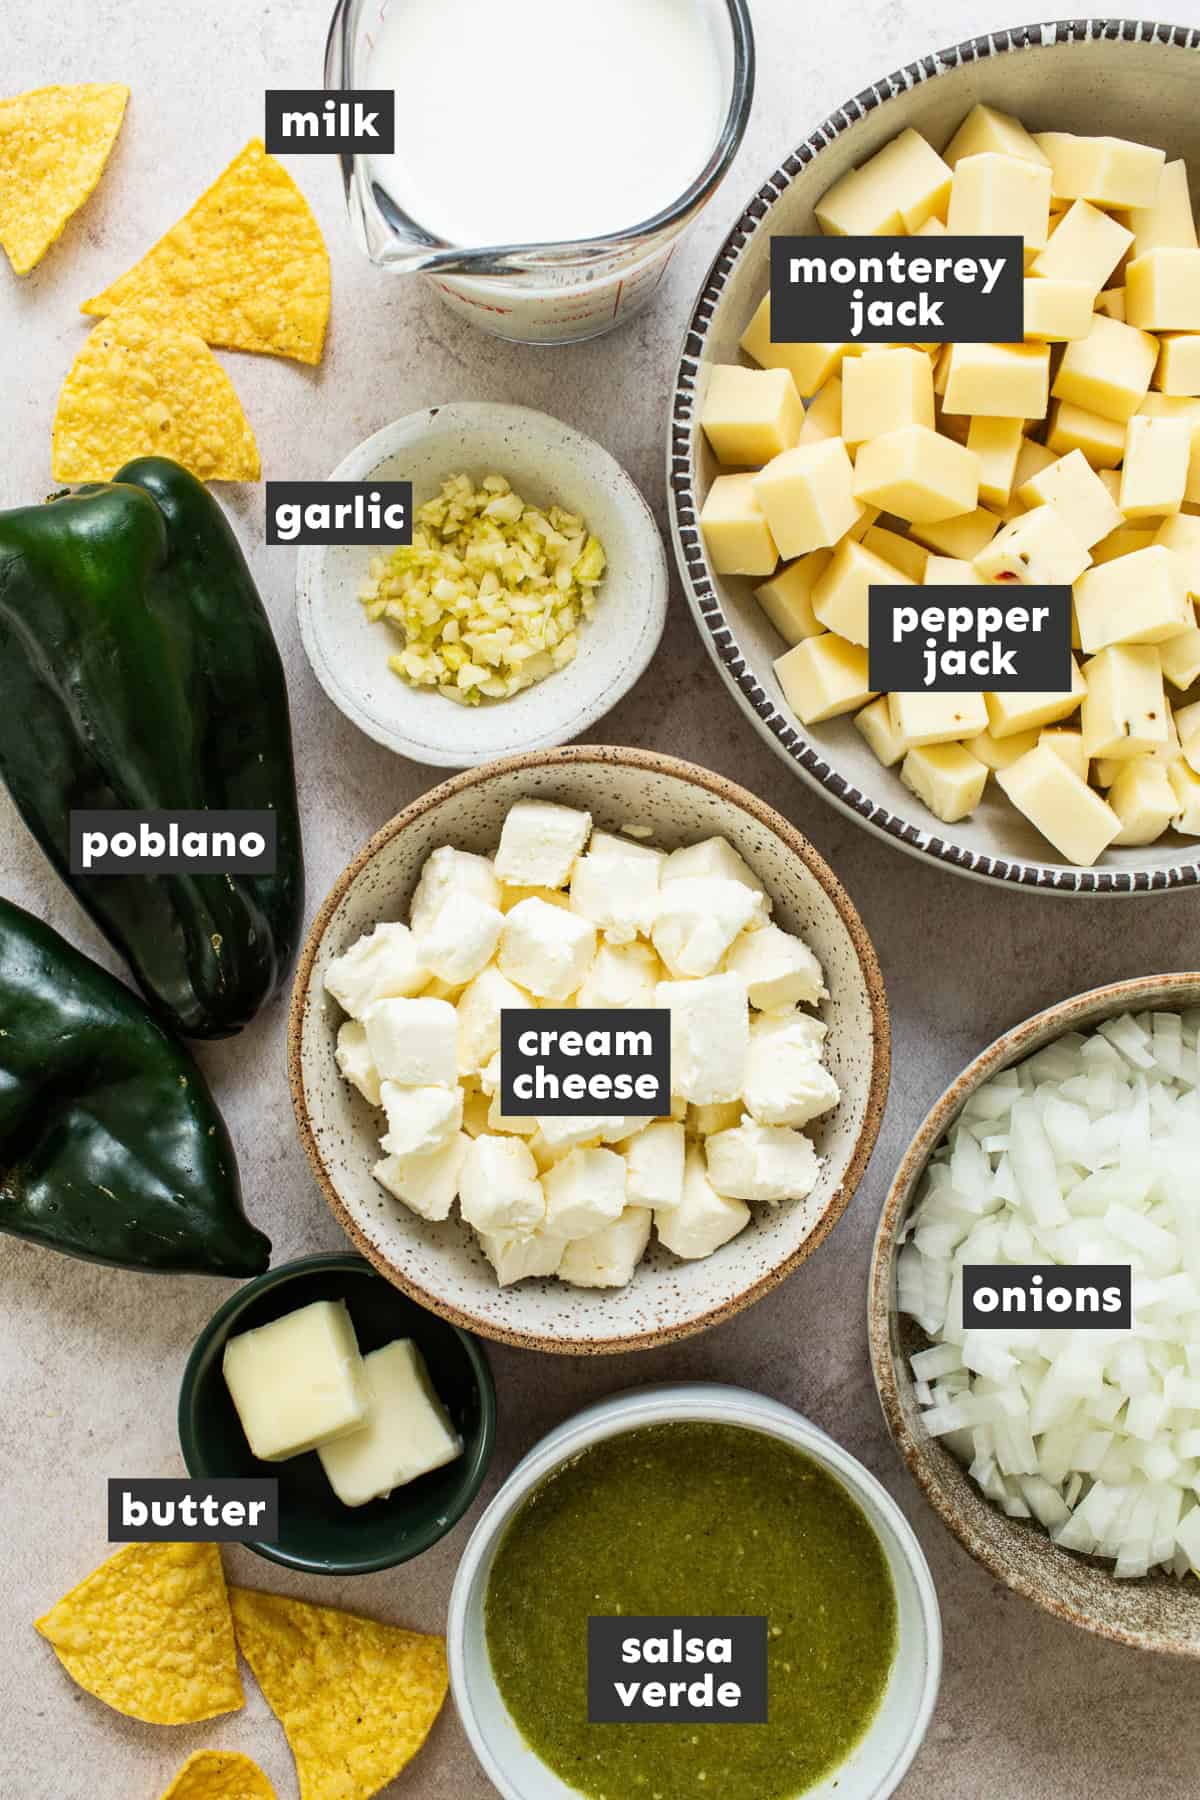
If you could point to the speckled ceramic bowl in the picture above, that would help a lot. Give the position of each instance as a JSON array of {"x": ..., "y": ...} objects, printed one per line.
[
  {"x": 1155, "y": 1613},
  {"x": 442, "y": 1265},
  {"x": 548, "y": 463},
  {"x": 1087, "y": 75}
]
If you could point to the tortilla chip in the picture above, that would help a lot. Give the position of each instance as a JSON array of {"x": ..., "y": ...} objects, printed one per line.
[
  {"x": 356, "y": 1699},
  {"x": 149, "y": 1633},
  {"x": 54, "y": 143},
  {"x": 220, "y": 1775},
  {"x": 247, "y": 268},
  {"x": 143, "y": 388}
]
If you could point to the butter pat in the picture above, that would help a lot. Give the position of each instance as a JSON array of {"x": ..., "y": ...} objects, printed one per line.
[
  {"x": 407, "y": 1432},
  {"x": 824, "y": 676},
  {"x": 710, "y": 1032},
  {"x": 750, "y": 415},
  {"x": 762, "y": 1162},
  {"x": 1062, "y": 807},
  {"x": 735, "y": 528},
  {"x": 380, "y": 966},
  {"x": 805, "y": 496},
  {"x": 539, "y": 842},
  {"x": 414, "y": 1042},
  {"x": 298, "y": 1381},
  {"x": 704, "y": 1219},
  {"x": 917, "y": 473},
  {"x": 608, "y": 1258}
]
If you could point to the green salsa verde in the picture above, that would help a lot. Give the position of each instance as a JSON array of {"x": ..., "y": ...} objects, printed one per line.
[{"x": 693, "y": 1520}]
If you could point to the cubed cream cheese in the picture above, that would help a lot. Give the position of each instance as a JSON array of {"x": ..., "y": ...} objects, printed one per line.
[
  {"x": 785, "y": 1082},
  {"x": 427, "y": 1185},
  {"x": 616, "y": 890},
  {"x": 479, "y": 1008},
  {"x": 622, "y": 975},
  {"x": 449, "y": 871},
  {"x": 380, "y": 966},
  {"x": 779, "y": 969},
  {"x": 704, "y": 1219},
  {"x": 710, "y": 1033},
  {"x": 498, "y": 1189},
  {"x": 354, "y": 1060},
  {"x": 414, "y": 1042},
  {"x": 697, "y": 920},
  {"x": 297, "y": 1381},
  {"x": 607, "y": 1258},
  {"x": 584, "y": 1192},
  {"x": 461, "y": 938},
  {"x": 545, "y": 950},
  {"x": 420, "y": 1119},
  {"x": 407, "y": 1433},
  {"x": 522, "y": 1258},
  {"x": 762, "y": 1162},
  {"x": 654, "y": 1165},
  {"x": 539, "y": 842},
  {"x": 712, "y": 858}
]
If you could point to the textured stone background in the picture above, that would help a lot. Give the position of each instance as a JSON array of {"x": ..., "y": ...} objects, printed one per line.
[{"x": 91, "y": 1357}]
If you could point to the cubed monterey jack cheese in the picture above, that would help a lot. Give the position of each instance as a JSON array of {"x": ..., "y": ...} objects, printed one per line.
[
  {"x": 824, "y": 676},
  {"x": 1167, "y": 222},
  {"x": 1162, "y": 290},
  {"x": 1137, "y": 599},
  {"x": 297, "y": 1381},
  {"x": 1108, "y": 171},
  {"x": 918, "y": 474},
  {"x": 703, "y": 1219},
  {"x": 841, "y": 598},
  {"x": 805, "y": 496},
  {"x": 986, "y": 129},
  {"x": 1108, "y": 371},
  {"x": 407, "y": 1432},
  {"x": 1000, "y": 381},
  {"x": 1057, "y": 311},
  {"x": 884, "y": 389},
  {"x": 994, "y": 195},
  {"x": 736, "y": 534},
  {"x": 750, "y": 415},
  {"x": 1085, "y": 245},
  {"x": 1066, "y": 811},
  {"x": 895, "y": 191},
  {"x": 811, "y": 366}
]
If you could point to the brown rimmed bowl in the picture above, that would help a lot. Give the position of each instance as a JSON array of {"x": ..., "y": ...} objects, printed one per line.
[
  {"x": 1156, "y": 1612},
  {"x": 442, "y": 1266}
]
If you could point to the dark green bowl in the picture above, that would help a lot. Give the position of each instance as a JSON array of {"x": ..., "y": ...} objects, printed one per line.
[{"x": 316, "y": 1532}]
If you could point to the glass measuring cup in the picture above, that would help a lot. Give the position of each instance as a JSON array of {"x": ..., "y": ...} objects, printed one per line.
[{"x": 535, "y": 293}]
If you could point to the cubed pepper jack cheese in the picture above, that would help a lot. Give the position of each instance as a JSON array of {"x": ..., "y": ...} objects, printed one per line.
[
  {"x": 461, "y": 939},
  {"x": 1162, "y": 290},
  {"x": 959, "y": 539},
  {"x": 736, "y": 533},
  {"x": 427, "y": 1185},
  {"x": 1154, "y": 474},
  {"x": 1107, "y": 372},
  {"x": 609, "y": 1257},
  {"x": 1178, "y": 370},
  {"x": 539, "y": 842},
  {"x": 875, "y": 724},
  {"x": 762, "y": 1162},
  {"x": 498, "y": 1187},
  {"x": 883, "y": 390},
  {"x": 1085, "y": 245},
  {"x": 785, "y": 1081},
  {"x": 545, "y": 949},
  {"x": 806, "y": 496},
  {"x": 1185, "y": 784},
  {"x": 1069, "y": 745},
  {"x": 1180, "y": 658},
  {"x": 1100, "y": 440},
  {"x": 1136, "y": 599},
  {"x": 750, "y": 415},
  {"x": 1010, "y": 714},
  {"x": 999, "y": 753},
  {"x": 1181, "y": 535},
  {"x": 901, "y": 552},
  {"x": 1036, "y": 548},
  {"x": 1167, "y": 222},
  {"x": 1143, "y": 799},
  {"x": 382, "y": 965},
  {"x": 1107, "y": 170},
  {"x": 841, "y": 598},
  {"x": 778, "y": 968},
  {"x": 697, "y": 920},
  {"x": 1078, "y": 495},
  {"x": 994, "y": 195},
  {"x": 446, "y": 872},
  {"x": 297, "y": 1381},
  {"x": 1124, "y": 711},
  {"x": 997, "y": 444},
  {"x": 809, "y": 365},
  {"x": 703, "y": 1220},
  {"x": 985, "y": 129},
  {"x": 999, "y": 381},
  {"x": 654, "y": 1165},
  {"x": 918, "y": 474},
  {"x": 1062, "y": 807},
  {"x": 710, "y": 1031},
  {"x": 584, "y": 1192},
  {"x": 787, "y": 597},
  {"x": 947, "y": 778},
  {"x": 353, "y": 1059},
  {"x": 923, "y": 718},
  {"x": 414, "y": 1042},
  {"x": 1057, "y": 311},
  {"x": 407, "y": 1432},
  {"x": 900, "y": 187},
  {"x": 822, "y": 677},
  {"x": 420, "y": 1119}
]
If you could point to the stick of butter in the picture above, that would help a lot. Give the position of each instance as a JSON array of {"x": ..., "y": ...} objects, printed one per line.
[
  {"x": 298, "y": 1381},
  {"x": 407, "y": 1432}
]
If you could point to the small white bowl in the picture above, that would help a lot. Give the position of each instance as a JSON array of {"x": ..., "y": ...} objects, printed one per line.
[
  {"x": 548, "y": 463},
  {"x": 879, "y": 1763}
]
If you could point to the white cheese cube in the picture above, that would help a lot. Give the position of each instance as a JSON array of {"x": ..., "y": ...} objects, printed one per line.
[
  {"x": 560, "y": 1132},
  {"x": 1101, "y": 440},
  {"x": 499, "y": 1122},
  {"x": 779, "y": 969},
  {"x": 1162, "y": 290},
  {"x": 947, "y": 778},
  {"x": 1167, "y": 222},
  {"x": 479, "y": 1009},
  {"x": 841, "y": 598},
  {"x": 1137, "y": 599},
  {"x": 884, "y": 389},
  {"x": 697, "y": 920},
  {"x": 427, "y": 1185},
  {"x": 703, "y": 1220},
  {"x": 1125, "y": 709},
  {"x": 910, "y": 558},
  {"x": 711, "y": 859},
  {"x": 1180, "y": 658},
  {"x": 407, "y": 1433},
  {"x": 787, "y": 597},
  {"x": 1143, "y": 799},
  {"x": 750, "y": 415},
  {"x": 983, "y": 129},
  {"x": 1107, "y": 170},
  {"x": 622, "y": 975},
  {"x": 420, "y": 1119},
  {"x": 997, "y": 444},
  {"x": 521, "y": 1258},
  {"x": 546, "y": 950},
  {"x": 380, "y": 966},
  {"x": 616, "y": 892},
  {"x": 448, "y": 871},
  {"x": 785, "y": 1082},
  {"x": 297, "y": 1381},
  {"x": 998, "y": 381},
  {"x": 461, "y": 938},
  {"x": 960, "y": 538},
  {"x": 702, "y": 1121},
  {"x": 1068, "y": 745},
  {"x": 1009, "y": 715},
  {"x": 498, "y": 1187},
  {"x": 1038, "y": 548},
  {"x": 811, "y": 366},
  {"x": 1178, "y": 369},
  {"x": 539, "y": 842},
  {"x": 1058, "y": 311},
  {"x": 654, "y": 1165},
  {"x": 894, "y": 191},
  {"x": 584, "y": 1192},
  {"x": 1064, "y": 809},
  {"x": 996, "y": 195},
  {"x": 762, "y": 1162},
  {"x": 608, "y": 1258},
  {"x": 710, "y": 1033},
  {"x": 354, "y": 1060},
  {"x": 805, "y": 496},
  {"x": 414, "y": 1042}
]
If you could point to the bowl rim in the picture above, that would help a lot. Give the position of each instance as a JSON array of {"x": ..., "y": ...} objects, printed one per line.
[
  {"x": 360, "y": 463},
  {"x": 684, "y": 1401},
  {"x": 1137, "y": 992},
  {"x": 476, "y": 1464},
  {"x": 650, "y": 762},
  {"x": 806, "y": 756}
]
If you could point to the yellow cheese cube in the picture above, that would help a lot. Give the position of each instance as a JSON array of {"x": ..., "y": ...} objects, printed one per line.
[
  {"x": 1036, "y": 548},
  {"x": 1185, "y": 785},
  {"x": 998, "y": 753},
  {"x": 884, "y": 390},
  {"x": 1101, "y": 440},
  {"x": 951, "y": 571},
  {"x": 1110, "y": 171},
  {"x": 787, "y": 597},
  {"x": 1180, "y": 658},
  {"x": 1111, "y": 303},
  {"x": 1187, "y": 725},
  {"x": 1085, "y": 245},
  {"x": 1136, "y": 599},
  {"x": 937, "y": 718},
  {"x": 1178, "y": 370},
  {"x": 900, "y": 187},
  {"x": 822, "y": 677},
  {"x": 1062, "y": 807},
  {"x": 918, "y": 474},
  {"x": 1002, "y": 381},
  {"x": 1167, "y": 224},
  {"x": 1031, "y": 458},
  {"x": 875, "y": 723},
  {"x": 1107, "y": 768},
  {"x": 864, "y": 522},
  {"x": 1122, "y": 542},
  {"x": 1170, "y": 406},
  {"x": 932, "y": 227},
  {"x": 1143, "y": 799},
  {"x": 750, "y": 415},
  {"x": 1107, "y": 372},
  {"x": 1124, "y": 710},
  {"x": 911, "y": 559},
  {"x": 1010, "y": 714},
  {"x": 1077, "y": 493},
  {"x": 993, "y": 195},
  {"x": 941, "y": 370},
  {"x": 947, "y": 778},
  {"x": 961, "y": 538},
  {"x": 1155, "y": 471},
  {"x": 984, "y": 129},
  {"x": 806, "y": 496},
  {"x": 1056, "y": 311},
  {"x": 997, "y": 444},
  {"x": 841, "y": 598},
  {"x": 1067, "y": 743},
  {"x": 1181, "y": 535},
  {"x": 809, "y": 365},
  {"x": 953, "y": 425},
  {"x": 1162, "y": 290},
  {"x": 823, "y": 417},
  {"x": 736, "y": 533}
]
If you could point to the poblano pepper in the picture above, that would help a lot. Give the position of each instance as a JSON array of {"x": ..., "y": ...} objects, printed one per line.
[
  {"x": 111, "y": 1146},
  {"x": 138, "y": 671}
]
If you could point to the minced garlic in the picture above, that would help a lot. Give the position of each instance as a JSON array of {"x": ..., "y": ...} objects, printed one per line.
[{"x": 490, "y": 594}]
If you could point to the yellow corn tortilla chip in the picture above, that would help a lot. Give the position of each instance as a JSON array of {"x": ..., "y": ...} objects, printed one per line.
[
  {"x": 140, "y": 387},
  {"x": 54, "y": 143},
  {"x": 356, "y": 1699},
  {"x": 220, "y": 1775},
  {"x": 247, "y": 268},
  {"x": 149, "y": 1633}
]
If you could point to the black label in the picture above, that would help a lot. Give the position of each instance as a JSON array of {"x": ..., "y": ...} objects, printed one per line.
[
  {"x": 309, "y": 120},
  {"x": 897, "y": 290},
  {"x": 192, "y": 1512},
  {"x": 234, "y": 842},
  {"x": 964, "y": 640},
  {"x": 339, "y": 512},
  {"x": 671, "y": 1671},
  {"x": 571, "y": 1061},
  {"x": 1090, "y": 1296}
]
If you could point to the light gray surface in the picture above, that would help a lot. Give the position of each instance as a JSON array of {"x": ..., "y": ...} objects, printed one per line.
[{"x": 1031, "y": 1710}]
